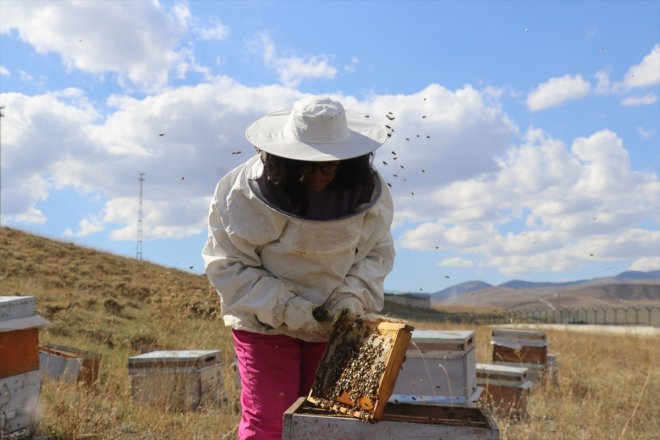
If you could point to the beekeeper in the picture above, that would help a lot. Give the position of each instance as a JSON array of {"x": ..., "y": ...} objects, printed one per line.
[{"x": 298, "y": 232}]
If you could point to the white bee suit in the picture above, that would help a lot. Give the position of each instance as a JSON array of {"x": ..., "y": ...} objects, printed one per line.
[{"x": 258, "y": 257}]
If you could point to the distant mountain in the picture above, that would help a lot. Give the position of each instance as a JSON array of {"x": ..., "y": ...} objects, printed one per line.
[
  {"x": 632, "y": 293},
  {"x": 623, "y": 276},
  {"x": 636, "y": 275},
  {"x": 458, "y": 289},
  {"x": 630, "y": 288},
  {"x": 520, "y": 284}
]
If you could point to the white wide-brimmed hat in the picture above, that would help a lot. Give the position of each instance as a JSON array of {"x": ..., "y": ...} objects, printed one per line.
[{"x": 316, "y": 130}]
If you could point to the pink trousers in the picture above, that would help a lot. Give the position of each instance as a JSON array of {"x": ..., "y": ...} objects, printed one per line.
[{"x": 275, "y": 370}]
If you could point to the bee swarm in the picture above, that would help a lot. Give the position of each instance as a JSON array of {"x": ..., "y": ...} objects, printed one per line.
[{"x": 353, "y": 369}]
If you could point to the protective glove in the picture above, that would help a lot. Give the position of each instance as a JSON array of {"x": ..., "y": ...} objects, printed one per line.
[
  {"x": 298, "y": 315},
  {"x": 347, "y": 306}
]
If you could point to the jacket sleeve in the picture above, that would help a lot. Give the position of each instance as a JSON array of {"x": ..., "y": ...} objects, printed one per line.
[
  {"x": 365, "y": 279},
  {"x": 233, "y": 265}
]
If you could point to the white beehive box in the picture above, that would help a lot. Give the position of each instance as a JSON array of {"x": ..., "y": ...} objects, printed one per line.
[
  {"x": 19, "y": 405},
  {"x": 536, "y": 373},
  {"x": 499, "y": 374},
  {"x": 181, "y": 380},
  {"x": 304, "y": 421},
  {"x": 439, "y": 367},
  {"x": 20, "y": 380}
]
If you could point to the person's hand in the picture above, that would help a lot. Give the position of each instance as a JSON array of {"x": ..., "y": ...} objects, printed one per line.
[
  {"x": 347, "y": 306},
  {"x": 298, "y": 315}
]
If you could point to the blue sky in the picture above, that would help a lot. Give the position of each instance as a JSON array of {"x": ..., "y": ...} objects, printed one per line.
[{"x": 538, "y": 153}]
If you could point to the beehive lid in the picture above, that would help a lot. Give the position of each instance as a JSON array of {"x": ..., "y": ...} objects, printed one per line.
[
  {"x": 68, "y": 352},
  {"x": 442, "y": 340},
  {"x": 506, "y": 370},
  {"x": 13, "y": 307},
  {"x": 172, "y": 358},
  {"x": 18, "y": 313},
  {"x": 360, "y": 367},
  {"x": 519, "y": 334},
  {"x": 496, "y": 374}
]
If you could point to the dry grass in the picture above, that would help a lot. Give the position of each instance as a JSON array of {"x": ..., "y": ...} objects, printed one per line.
[{"x": 609, "y": 386}]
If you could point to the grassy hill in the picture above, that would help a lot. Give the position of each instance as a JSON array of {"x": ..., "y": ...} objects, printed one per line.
[
  {"x": 119, "y": 307},
  {"x": 98, "y": 297}
]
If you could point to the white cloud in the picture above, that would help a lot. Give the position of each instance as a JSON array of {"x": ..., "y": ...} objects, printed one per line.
[
  {"x": 579, "y": 205},
  {"x": 456, "y": 262},
  {"x": 58, "y": 140},
  {"x": 439, "y": 136},
  {"x": 142, "y": 47},
  {"x": 31, "y": 215},
  {"x": 646, "y": 264},
  {"x": 556, "y": 91},
  {"x": 647, "y": 72},
  {"x": 603, "y": 82},
  {"x": 470, "y": 181},
  {"x": 87, "y": 226},
  {"x": 20, "y": 197},
  {"x": 647, "y": 99},
  {"x": 4, "y": 71},
  {"x": 217, "y": 32},
  {"x": 58, "y": 135},
  {"x": 24, "y": 76},
  {"x": 352, "y": 65},
  {"x": 292, "y": 69},
  {"x": 646, "y": 134},
  {"x": 187, "y": 63}
]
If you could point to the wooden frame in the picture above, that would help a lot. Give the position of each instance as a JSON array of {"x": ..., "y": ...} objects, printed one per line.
[{"x": 360, "y": 367}]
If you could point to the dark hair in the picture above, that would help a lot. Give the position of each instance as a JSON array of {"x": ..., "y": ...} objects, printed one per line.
[{"x": 283, "y": 177}]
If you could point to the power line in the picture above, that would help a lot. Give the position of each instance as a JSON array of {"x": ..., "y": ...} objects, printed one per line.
[{"x": 138, "y": 253}]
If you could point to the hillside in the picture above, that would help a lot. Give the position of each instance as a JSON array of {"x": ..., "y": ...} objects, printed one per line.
[
  {"x": 100, "y": 297},
  {"x": 634, "y": 293},
  {"x": 459, "y": 289}
]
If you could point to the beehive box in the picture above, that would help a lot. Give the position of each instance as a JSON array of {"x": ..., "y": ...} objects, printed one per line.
[
  {"x": 440, "y": 364},
  {"x": 536, "y": 373},
  {"x": 505, "y": 387},
  {"x": 19, "y": 335},
  {"x": 69, "y": 364},
  {"x": 179, "y": 380},
  {"x": 19, "y": 405},
  {"x": 361, "y": 363},
  {"x": 519, "y": 346},
  {"x": 304, "y": 421}
]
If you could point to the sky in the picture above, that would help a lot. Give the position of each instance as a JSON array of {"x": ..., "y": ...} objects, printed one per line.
[{"x": 525, "y": 135}]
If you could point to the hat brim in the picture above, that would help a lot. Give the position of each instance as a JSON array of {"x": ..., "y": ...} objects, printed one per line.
[{"x": 365, "y": 135}]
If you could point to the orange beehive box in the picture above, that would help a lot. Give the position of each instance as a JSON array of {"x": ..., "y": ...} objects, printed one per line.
[
  {"x": 360, "y": 367},
  {"x": 519, "y": 346},
  {"x": 19, "y": 351},
  {"x": 19, "y": 335},
  {"x": 506, "y": 388}
]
